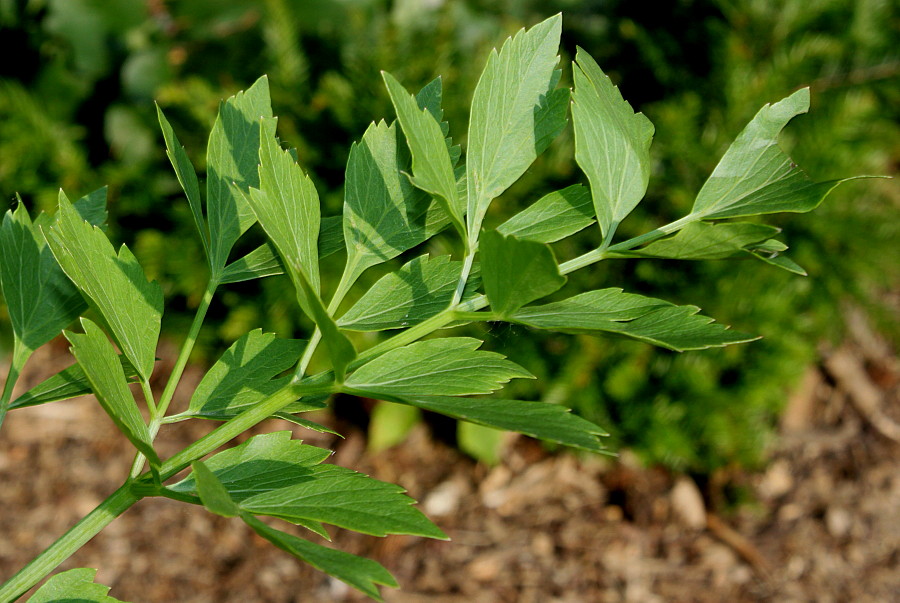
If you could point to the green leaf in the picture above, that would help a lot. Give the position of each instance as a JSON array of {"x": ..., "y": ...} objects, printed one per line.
[
  {"x": 429, "y": 98},
  {"x": 73, "y": 586},
  {"x": 259, "y": 263},
  {"x": 331, "y": 236},
  {"x": 448, "y": 366},
  {"x": 245, "y": 375},
  {"x": 536, "y": 419},
  {"x": 187, "y": 177},
  {"x": 516, "y": 272},
  {"x": 68, "y": 383},
  {"x": 502, "y": 138},
  {"x": 610, "y": 311},
  {"x": 755, "y": 176},
  {"x": 232, "y": 157},
  {"x": 344, "y": 498},
  {"x": 431, "y": 164},
  {"x": 287, "y": 206},
  {"x": 553, "y": 217},
  {"x": 770, "y": 252},
  {"x": 101, "y": 366},
  {"x": 115, "y": 285},
  {"x": 384, "y": 214},
  {"x": 417, "y": 291},
  {"x": 274, "y": 475},
  {"x": 612, "y": 143},
  {"x": 261, "y": 464},
  {"x": 340, "y": 348},
  {"x": 264, "y": 261},
  {"x": 212, "y": 493},
  {"x": 41, "y": 300},
  {"x": 550, "y": 115},
  {"x": 362, "y": 574},
  {"x": 705, "y": 241}
]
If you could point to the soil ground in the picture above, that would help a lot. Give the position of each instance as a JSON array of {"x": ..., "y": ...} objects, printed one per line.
[{"x": 820, "y": 523}]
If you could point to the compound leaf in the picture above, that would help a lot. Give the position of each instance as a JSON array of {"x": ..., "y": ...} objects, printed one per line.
[
  {"x": 187, "y": 177},
  {"x": 417, "y": 291},
  {"x": 101, "y": 366},
  {"x": 432, "y": 167},
  {"x": 287, "y": 207},
  {"x": 40, "y": 298},
  {"x": 553, "y": 217},
  {"x": 502, "y": 140},
  {"x": 705, "y": 241},
  {"x": 274, "y": 475},
  {"x": 115, "y": 285},
  {"x": 516, "y": 272},
  {"x": 347, "y": 499},
  {"x": 550, "y": 114},
  {"x": 536, "y": 419},
  {"x": 73, "y": 586},
  {"x": 384, "y": 214},
  {"x": 264, "y": 261},
  {"x": 68, "y": 383},
  {"x": 448, "y": 366},
  {"x": 755, "y": 176},
  {"x": 232, "y": 157},
  {"x": 212, "y": 492},
  {"x": 611, "y": 311},
  {"x": 612, "y": 143},
  {"x": 362, "y": 574},
  {"x": 244, "y": 375}
]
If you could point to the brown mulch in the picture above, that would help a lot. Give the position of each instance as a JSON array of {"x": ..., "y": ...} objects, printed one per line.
[{"x": 822, "y": 522}]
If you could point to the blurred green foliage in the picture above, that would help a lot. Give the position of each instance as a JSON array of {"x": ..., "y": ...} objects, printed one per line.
[{"x": 76, "y": 110}]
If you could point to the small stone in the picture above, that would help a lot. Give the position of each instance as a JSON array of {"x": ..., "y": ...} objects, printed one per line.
[
  {"x": 838, "y": 521},
  {"x": 444, "y": 499},
  {"x": 777, "y": 480},
  {"x": 687, "y": 503}
]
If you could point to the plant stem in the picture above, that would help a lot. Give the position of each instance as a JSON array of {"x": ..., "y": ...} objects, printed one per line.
[
  {"x": 68, "y": 543},
  {"x": 20, "y": 356},
  {"x": 186, "y": 348},
  {"x": 175, "y": 377},
  {"x": 239, "y": 425}
]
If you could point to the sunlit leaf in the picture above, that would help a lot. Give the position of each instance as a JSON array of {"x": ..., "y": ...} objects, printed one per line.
[
  {"x": 755, "y": 176},
  {"x": 610, "y": 311},
  {"x": 98, "y": 359},
  {"x": 502, "y": 140},
  {"x": 553, "y": 217},
  {"x": 384, "y": 214},
  {"x": 432, "y": 169},
  {"x": 612, "y": 143},
  {"x": 536, "y": 419},
  {"x": 362, "y": 574},
  {"x": 232, "y": 158},
  {"x": 516, "y": 272},
  {"x": 73, "y": 586},
  {"x": 245, "y": 375},
  {"x": 417, "y": 291},
  {"x": 187, "y": 177},
  {"x": 68, "y": 383},
  {"x": 115, "y": 285},
  {"x": 40, "y": 299},
  {"x": 705, "y": 241},
  {"x": 448, "y": 366}
]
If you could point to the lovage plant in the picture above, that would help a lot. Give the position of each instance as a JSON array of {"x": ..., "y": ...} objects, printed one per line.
[{"x": 405, "y": 182}]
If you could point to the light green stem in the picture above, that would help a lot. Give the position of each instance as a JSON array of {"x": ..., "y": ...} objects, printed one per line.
[
  {"x": 21, "y": 354},
  {"x": 159, "y": 413},
  {"x": 68, "y": 543}
]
